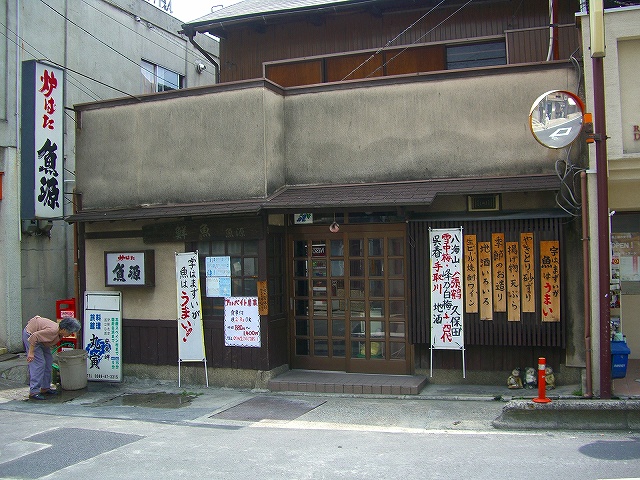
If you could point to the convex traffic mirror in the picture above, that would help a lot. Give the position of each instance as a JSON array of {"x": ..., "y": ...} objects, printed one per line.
[{"x": 556, "y": 118}]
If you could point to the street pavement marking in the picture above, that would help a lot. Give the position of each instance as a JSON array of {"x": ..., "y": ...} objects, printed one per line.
[
  {"x": 63, "y": 447},
  {"x": 18, "y": 449}
]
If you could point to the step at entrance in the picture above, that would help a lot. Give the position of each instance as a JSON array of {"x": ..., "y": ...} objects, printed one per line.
[{"x": 341, "y": 382}]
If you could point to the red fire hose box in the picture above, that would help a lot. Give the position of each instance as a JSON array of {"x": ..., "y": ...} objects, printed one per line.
[{"x": 66, "y": 308}]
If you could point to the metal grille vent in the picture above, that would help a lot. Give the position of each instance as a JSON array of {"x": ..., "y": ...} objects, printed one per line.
[{"x": 483, "y": 203}]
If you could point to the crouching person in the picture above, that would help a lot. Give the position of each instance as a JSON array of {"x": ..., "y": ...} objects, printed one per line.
[{"x": 39, "y": 336}]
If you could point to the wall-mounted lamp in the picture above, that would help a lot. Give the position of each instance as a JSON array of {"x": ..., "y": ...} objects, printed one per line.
[
  {"x": 45, "y": 226},
  {"x": 200, "y": 67},
  {"x": 30, "y": 227},
  {"x": 137, "y": 19},
  {"x": 37, "y": 227}
]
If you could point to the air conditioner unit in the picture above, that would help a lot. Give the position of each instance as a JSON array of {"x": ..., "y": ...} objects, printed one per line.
[{"x": 483, "y": 203}]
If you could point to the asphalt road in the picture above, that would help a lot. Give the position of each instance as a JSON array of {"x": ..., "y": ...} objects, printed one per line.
[{"x": 231, "y": 434}]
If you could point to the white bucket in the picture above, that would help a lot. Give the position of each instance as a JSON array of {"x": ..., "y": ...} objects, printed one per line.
[{"x": 73, "y": 369}]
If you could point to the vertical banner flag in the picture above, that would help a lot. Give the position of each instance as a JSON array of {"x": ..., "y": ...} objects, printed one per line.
[
  {"x": 42, "y": 141},
  {"x": 190, "y": 331},
  {"x": 445, "y": 246}
]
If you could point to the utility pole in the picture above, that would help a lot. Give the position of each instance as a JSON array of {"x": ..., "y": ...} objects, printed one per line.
[{"x": 596, "y": 28}]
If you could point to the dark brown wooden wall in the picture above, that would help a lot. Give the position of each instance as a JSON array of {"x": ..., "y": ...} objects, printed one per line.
[
  {"x": 244, "y": 50},
  {"x": 529, "y": 332},
  {"x": 489, "y": 358},
  {"x": 362, "y": 65},
  {"x": 155, "y": 342}
]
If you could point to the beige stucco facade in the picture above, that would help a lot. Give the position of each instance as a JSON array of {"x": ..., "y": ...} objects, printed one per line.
[
  {"x": 417, "y": 128},
  {"x": 158, "y": 302}
]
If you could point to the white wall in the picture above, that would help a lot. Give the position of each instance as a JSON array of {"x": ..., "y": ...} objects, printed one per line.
[{"x": 622, "y": 110}]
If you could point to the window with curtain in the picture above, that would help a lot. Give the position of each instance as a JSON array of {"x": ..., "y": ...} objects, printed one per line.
[{"x": 159, "y": 79}]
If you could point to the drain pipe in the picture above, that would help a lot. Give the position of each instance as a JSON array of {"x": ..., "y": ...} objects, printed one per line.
[
  {"x": 190, "y": 33},
  {"x": 587, "y": 294}
]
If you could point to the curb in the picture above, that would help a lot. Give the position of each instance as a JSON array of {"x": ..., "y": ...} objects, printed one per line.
[{"x": 570, "y": 415}]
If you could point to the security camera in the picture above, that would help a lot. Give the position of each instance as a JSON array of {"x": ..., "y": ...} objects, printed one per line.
[{"x": 200, "y": 67}]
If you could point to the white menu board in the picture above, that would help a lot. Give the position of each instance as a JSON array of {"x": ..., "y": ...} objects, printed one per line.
[{"x": 241, "y": 322}]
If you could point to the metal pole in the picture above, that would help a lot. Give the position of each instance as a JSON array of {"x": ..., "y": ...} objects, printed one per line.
[{"x": 604, "y": 267}]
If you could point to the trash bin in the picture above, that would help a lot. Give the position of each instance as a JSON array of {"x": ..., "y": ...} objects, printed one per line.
[
  {"x": 73, "y": 369},
  {"x": 619, "y": 359}
]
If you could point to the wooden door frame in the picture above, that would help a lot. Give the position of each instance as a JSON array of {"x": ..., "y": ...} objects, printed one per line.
[{"x": 349, "y": 364}]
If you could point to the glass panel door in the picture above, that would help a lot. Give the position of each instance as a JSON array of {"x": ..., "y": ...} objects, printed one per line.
[
  {"x": 377, "y": 319},
  {"x": 319, "y": 303},
  {"x": 349, "y": 303}
]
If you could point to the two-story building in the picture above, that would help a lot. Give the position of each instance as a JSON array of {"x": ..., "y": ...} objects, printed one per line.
[{"x": 341, "y": 135}]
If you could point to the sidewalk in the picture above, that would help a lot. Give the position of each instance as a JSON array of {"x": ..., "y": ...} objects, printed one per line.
[
  {"x": 166, "y": 402},
  {"x": 14, "y": 374}
]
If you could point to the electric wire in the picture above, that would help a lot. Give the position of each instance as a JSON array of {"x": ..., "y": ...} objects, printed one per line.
[
  {"x": 156, "y": 31},
  {"x": 567, "y": 172},
  {"x": 392, "y": 40},
  {"x": 96, "y": 38},
  {"x": 152, "y": 73},
  {"x": 79, "y": 85},
  {"x": 419, "y": 38}
]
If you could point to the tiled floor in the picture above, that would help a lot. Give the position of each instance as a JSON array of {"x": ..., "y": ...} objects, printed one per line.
[
  {"x": 340, "y": 382},
  {"x": 630, "y": 384}
]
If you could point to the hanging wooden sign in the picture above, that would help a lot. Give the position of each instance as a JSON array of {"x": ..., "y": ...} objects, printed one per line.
[
  {"x": 527, "y": 272},
  {"x": 550, "y": 280},
  {"x": 499, "y": 272},
  {"x": 486, "y": 295},
  {"x": 513, "y": 282},
  {"x": 471, "y": 273}
]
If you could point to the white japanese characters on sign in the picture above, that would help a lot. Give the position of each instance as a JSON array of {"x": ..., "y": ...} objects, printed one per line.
[
  {"x": 48, "y": 135},
  {"x": 125, "y": 268}
]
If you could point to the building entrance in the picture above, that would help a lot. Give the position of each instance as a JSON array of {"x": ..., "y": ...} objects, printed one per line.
[{"x": 349, "y": 306}]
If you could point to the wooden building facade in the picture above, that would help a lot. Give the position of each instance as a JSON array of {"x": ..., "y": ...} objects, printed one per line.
[{"x": 342, "y": 132}]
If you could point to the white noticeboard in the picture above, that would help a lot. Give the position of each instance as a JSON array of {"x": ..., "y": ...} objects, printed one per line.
[
  {"x": 241, "y": 322},
  {"x": 447, "y": 291},
  {"x": 102, "y": 335},
  {"x": 190, "y": 329},
  {"x": 218, "y": 276}
]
